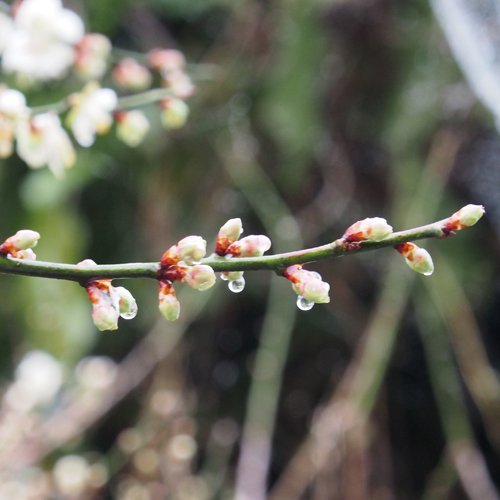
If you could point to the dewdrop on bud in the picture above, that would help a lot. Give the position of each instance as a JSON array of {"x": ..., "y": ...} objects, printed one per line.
[
  {"x": 465, "y": 217},
  {"x": 371, "y": 229},
  {"x": 199, "y": 277},
  {"x": 191, "y": 249},
  {"x": 308, "y": 285},
  {"x": 228, "y": 233},
  {"x": 168, "y": 304},
  {"x": 126, "y": 303},
  {"x": 174, "y": 113},
  {"x": 418, "y": 259},
  {"x": 105, "y": 315},
  {"x": 237, "y": 285},
  {"x": 250, "y": 246}
]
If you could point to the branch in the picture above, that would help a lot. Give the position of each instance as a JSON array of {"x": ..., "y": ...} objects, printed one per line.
[{"x": 276, "y": 262}]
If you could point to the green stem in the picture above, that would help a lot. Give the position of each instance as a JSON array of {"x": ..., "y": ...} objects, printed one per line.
[{"x": 275, "y": 262}]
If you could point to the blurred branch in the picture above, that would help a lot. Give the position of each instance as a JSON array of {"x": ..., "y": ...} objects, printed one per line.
[{"x": 466, "y": 458}]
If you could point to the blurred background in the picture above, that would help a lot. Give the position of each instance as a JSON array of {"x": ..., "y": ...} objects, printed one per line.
[{"x": 308, "y": 116}]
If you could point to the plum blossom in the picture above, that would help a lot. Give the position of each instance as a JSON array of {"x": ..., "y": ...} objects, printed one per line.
[
  {"x": 41, "y": 140},
  {"x": 168, "y": 304},
  {"x": 12, "y": 109},
  {"x": 41, "y": 41},
  {"x": 129, "y": 74},
  {"x": 228, "y": 234},
  {"x": 417, "y": 258},
  {"x": 91, "y": 113}
]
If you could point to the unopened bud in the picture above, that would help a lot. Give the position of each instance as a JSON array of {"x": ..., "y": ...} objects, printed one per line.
[
  {"x": 168, "y": 304},
  {"x": 191, "y": 249},
  {"x": 465, "y": 217},
  {"x": 418, "y": 259},
  {"x": 228, "y": 233},
  {"x": 132, "y": 127},
  {"x": 308, "y": 284},
  {"x": 166, "y": 59},
  {"x": 27, "y": 254},
  {"x": 129, "y": 74},
  {"x": 254, "y": 245},
  {"x": 371, "y": 229},
  {"x": 22, "y": 240},
  {"x": 105, "y": 316},
  {"x": 199, "y": 277},
  {"x": 174, "y": 113}
]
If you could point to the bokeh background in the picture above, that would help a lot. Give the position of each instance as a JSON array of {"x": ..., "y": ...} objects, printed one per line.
[{"x": 308, "y": 116}]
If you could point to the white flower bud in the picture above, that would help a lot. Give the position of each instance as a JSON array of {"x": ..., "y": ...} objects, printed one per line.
[
  {"x": 129, "y": 74},
  {"x": 174, "y": 113},
  {"x": 228, "y": 234},
  {"x": 24, "y": 239},
  {"x": 465, "y": 217},
  {"x": 254, "y": 245},
  {"x": 168, "y": 304},
  {"x": 418, "y": 259},
  {"x": 27, "y": 254},
  {"x": 105, "y": 315},
  {"x": 308, "y": 284},
  {"x": 199, "y": 277},
  {"x": 132, "y": 127},
  {"x": 370, "y": 229},
  {"x": 191, "y": 249}
]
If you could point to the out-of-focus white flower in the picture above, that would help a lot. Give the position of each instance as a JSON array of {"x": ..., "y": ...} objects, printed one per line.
[
  {"x": 39, "y": 376},
  {"x": 91, "y": 113},
  {"x": 132, "y": 127},
  {"x": 42, "y": 141},
  {"x": 12, "y": 109},
  {"x": 417, "y": 258},
  {"x": 168, "y": 304},
  {"x": 6, "y": 28},
  {"x": 40, "y": 46},
  {"x": 371, "y": 229},
  {"x": 71, "y": 475},
  {"x": 180, "y": 84},
  {"x": 174, "y": 113},
  {"x": 308, "y": 284},
  {"x": 131, "y": 75},
  {"x": 92, "y": 53},
  {"x": 166, "y": 59}
]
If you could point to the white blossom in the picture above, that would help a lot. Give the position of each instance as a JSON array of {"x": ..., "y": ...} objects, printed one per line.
[{"x": 42, "y": 141}]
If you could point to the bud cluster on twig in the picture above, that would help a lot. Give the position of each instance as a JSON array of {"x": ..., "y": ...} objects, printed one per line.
[{"x": 186, "y": 262}]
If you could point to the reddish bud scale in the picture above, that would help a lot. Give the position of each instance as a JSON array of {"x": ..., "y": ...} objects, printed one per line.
[
  {"x": 96, "y": 288},
  {"x": 172, "y": 273},
  {"x": 119, "y": 115},
  {"x": 170, "y": 257},
  {"x": 404, "y": 248},
  {"x": 166, "y": 287},
  {"x": 221, "y": 246},
  {"x": 290, "y": 273}
]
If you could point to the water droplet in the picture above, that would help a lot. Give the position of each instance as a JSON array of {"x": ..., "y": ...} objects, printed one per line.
[
  {"x": 131, "y": 313},
  {"x": 237, "y": 286},
  {"x": 223, "y": 276},
  {"x": 303, "y": 304},
  {"x": 428, "y": 273}
]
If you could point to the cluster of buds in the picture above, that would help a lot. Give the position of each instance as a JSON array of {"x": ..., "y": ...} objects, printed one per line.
[
  {"x": 229, "y": 245},
  {"x": 20, "y": 245},
  {"x": 181, "y": 263},
  {"x": 308, "y": 286},
  {"x": 109, "y": 303}
]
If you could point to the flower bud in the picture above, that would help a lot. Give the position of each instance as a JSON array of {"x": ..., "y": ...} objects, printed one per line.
[
  {"x": 254, "y": 245},
  {"x": 168, "y": 304},
  {"x": 199, "y": 277},
  {"x": 129, "y": 74},
  {"x": 105, "y": 316},
  {"x": 465, "y": 217},
  {"x": 92, "y": 53},
  {"x": 191, "y": 249},
  {"x": 174, "y": 113},
  {"x": 132, "y": 127},
  {"x": 231, "y": 275},
  {"x": 166, "y": 59},
  {"x": 22, "y": 240},
  {"x": 27, "y": 254},
  {"x": 228, "y": 234},
  {"x": 417, "y": 258},
  {"x": 308, "y": 284},
  {"x": 127, "y": 305},
  {"x": 371, "y": 229}
]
